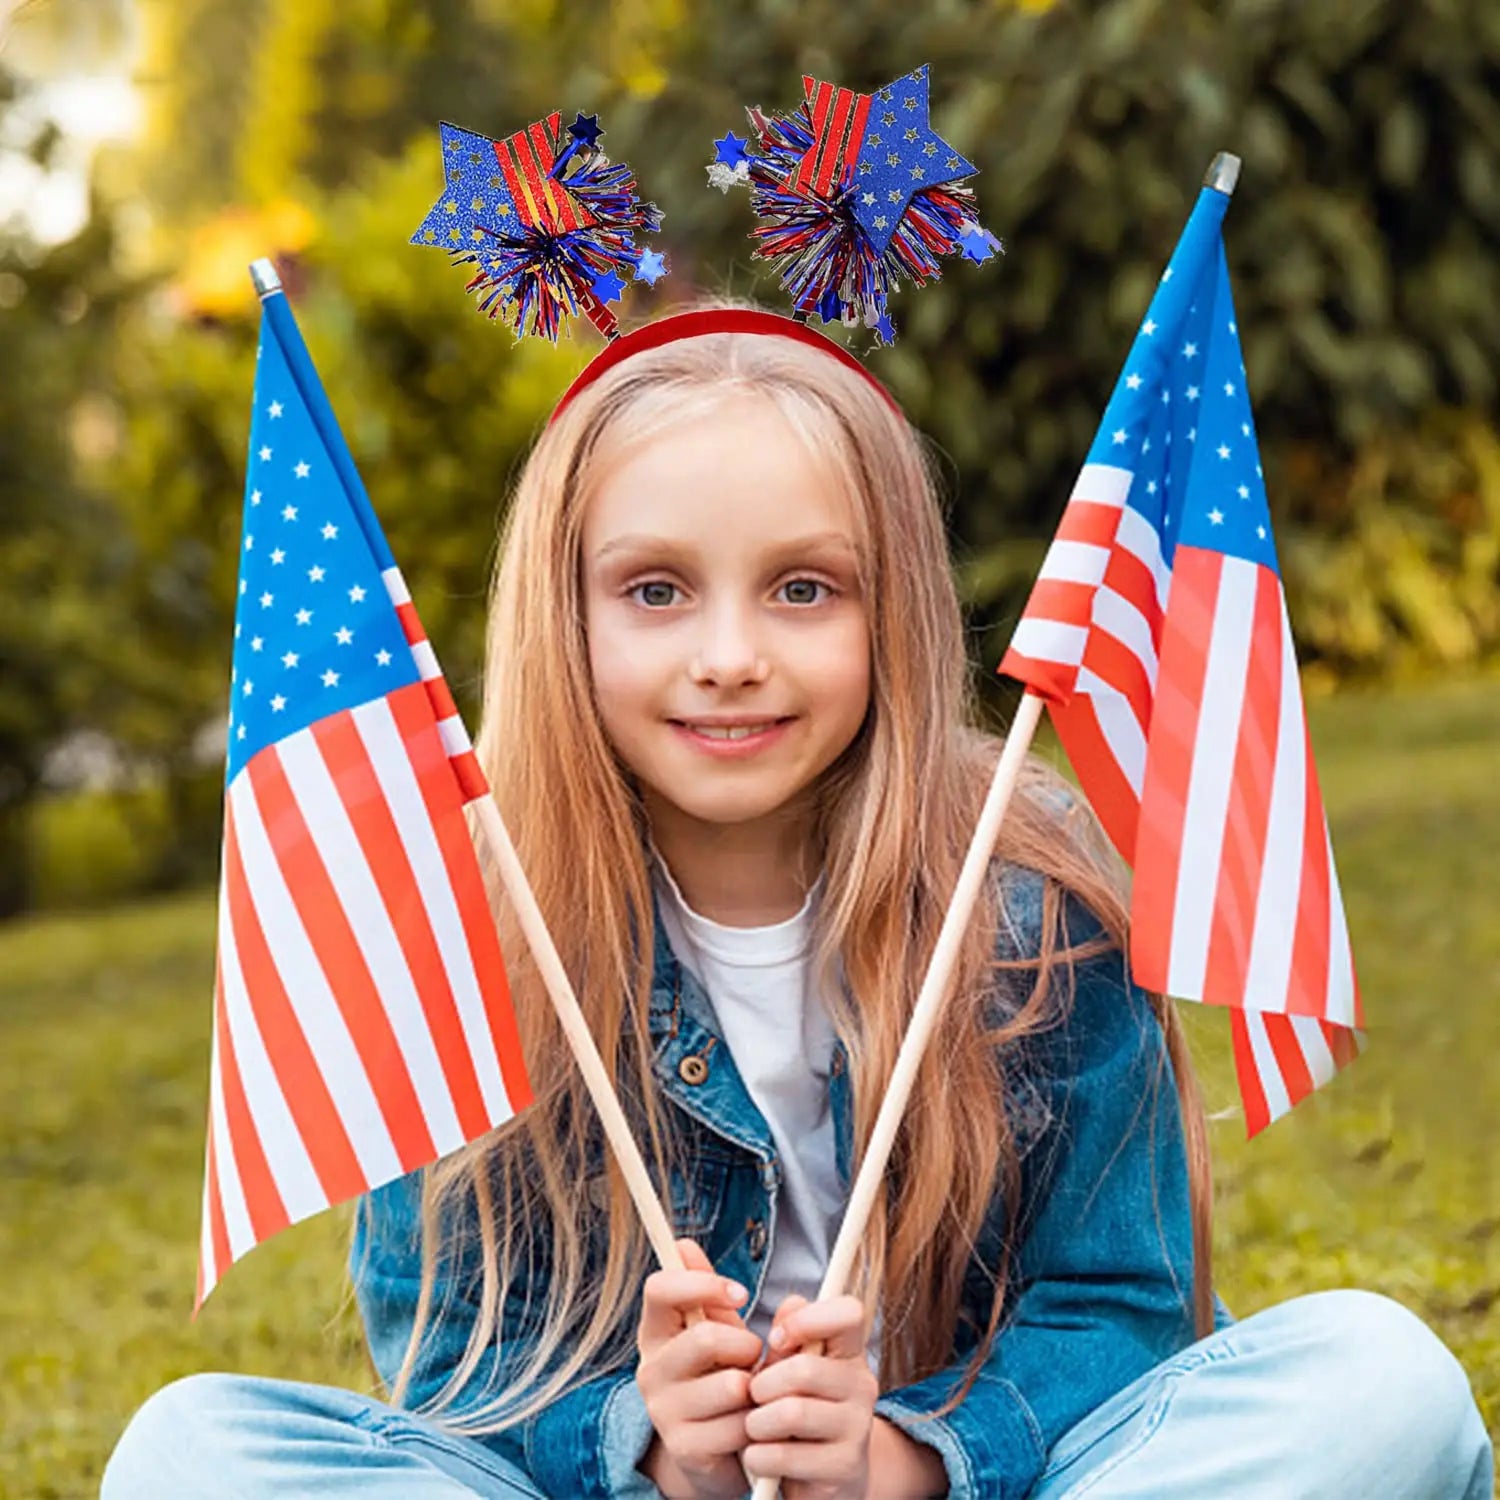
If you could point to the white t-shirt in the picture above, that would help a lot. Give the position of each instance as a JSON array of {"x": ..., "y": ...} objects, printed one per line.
[{"x": 779, "y": 1034}]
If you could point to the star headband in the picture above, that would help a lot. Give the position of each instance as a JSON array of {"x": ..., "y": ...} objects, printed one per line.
[{"x": 854, "y": 193}]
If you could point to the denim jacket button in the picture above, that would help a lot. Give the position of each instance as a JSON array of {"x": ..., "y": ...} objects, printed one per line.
[
  {"x": 692, "y": 1069},
  {"x": 755, "y": 1239}
]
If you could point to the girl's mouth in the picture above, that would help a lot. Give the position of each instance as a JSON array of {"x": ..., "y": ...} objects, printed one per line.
[{"x": 730, "y": 738}]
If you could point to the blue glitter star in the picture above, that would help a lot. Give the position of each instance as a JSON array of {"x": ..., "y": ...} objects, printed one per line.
[
  {"x": 585, "y": 129},
  {"x": 609, "y": 287},
  {"x": 730, "y": 150},
  {"x": 978, "y": 244},
  {"x": 651, "y": 267},
  {"x": 885, "y": 328},
  {"x": 900, "y": 158},
  {"x": 474, "y": 193}
]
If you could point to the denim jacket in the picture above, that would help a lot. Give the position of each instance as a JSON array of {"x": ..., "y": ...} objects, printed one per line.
[{"x": 1101, "y": 1251}]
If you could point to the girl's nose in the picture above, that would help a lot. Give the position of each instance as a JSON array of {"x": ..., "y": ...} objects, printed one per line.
[{"x": 728, "y": 653}]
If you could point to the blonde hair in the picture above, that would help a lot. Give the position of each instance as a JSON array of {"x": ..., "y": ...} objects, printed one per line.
[{"x": 894, "y": 818}]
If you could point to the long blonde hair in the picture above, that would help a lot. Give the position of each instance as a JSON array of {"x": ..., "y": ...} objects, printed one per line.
[{"x": 894, "y": 818}]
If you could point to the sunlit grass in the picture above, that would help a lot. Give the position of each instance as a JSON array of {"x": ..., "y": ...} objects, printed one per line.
[{"x": 1385, "y": 1180}]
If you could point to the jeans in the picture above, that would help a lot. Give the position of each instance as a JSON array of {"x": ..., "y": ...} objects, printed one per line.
[{"x": 1334, "y": 1394}]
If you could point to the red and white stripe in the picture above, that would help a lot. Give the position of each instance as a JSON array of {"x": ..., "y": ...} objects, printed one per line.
[
  {"x": 1175, "y": 693},
  {"x": 839, "y": 117},
  {"x": 362, "y": 1019},
  {"x": 449, "y": 721}
]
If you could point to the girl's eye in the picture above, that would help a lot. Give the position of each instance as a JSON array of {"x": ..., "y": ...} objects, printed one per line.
[
  {"x": 656, "y": 594},
  {"x": 804, "y": 591}
]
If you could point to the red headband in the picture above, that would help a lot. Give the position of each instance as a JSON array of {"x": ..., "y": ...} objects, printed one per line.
[{"x": 691, "y": 325}]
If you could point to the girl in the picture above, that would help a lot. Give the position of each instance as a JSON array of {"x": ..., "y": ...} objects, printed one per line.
[{"x": 726, "y": 715}]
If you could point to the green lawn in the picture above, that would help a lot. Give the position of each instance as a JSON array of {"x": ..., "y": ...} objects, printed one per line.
[{"x": 1385, "y": 1180}]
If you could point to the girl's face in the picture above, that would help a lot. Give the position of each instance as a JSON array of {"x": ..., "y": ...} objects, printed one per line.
[{"x": 728, "y": 639}]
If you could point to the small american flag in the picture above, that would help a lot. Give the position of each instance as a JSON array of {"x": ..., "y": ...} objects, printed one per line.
[
  {"x": 1158, "y": 633},
  {"x": 362, "y": 1018}
]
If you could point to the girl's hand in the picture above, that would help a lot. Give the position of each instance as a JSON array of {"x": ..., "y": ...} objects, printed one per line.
[
  {"x": 696, "y": 1380},
  {"x": 813, "y": 1412}
]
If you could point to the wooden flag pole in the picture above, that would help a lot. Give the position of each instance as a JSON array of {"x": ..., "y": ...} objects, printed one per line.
[
  {"x": 925, "y": 1014},
  {"x": 581, "y": 1040}
]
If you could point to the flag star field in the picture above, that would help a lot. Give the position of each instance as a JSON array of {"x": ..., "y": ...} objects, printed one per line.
[
  {"x": 1180, "y": 421},
  {"x": 314, "y": 629}
]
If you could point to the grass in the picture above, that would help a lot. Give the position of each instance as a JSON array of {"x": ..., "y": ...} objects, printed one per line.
[{"x": 1385, "y": 1179}]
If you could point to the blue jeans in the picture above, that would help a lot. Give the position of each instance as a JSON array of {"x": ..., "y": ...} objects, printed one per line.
[{"x": 1335, "y": 1394}]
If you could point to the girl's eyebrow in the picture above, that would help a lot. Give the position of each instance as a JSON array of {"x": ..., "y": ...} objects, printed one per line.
[{"x": 640, "y": 542}]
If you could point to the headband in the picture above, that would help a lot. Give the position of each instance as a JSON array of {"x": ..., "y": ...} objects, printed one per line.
[
  {"x": 691, "y": 325},
  {"x": 853, "y": 194}
]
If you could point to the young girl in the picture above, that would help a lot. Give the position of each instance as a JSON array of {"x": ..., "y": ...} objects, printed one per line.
[{"x": 727, "y": 717}]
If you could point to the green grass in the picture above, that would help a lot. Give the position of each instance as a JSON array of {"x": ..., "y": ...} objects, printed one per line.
[{"x": 1385, "y": 1179}]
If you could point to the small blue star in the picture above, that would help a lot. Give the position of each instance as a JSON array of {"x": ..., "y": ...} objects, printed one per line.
[
  {"x": 609, "y": 287},
  {"x": 885, "y": 328},
  {"x": 585, "y": 129},
  {"x": 978, "y": 244},
  {"x": 730, "y": 150},
  {"x": 651, "y": 267}
]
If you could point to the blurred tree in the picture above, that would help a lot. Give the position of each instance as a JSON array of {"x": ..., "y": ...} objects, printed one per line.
[{"x": 60, "y": 626}]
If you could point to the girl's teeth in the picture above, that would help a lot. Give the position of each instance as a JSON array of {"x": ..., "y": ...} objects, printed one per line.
[{"x": 736, "y": 732}]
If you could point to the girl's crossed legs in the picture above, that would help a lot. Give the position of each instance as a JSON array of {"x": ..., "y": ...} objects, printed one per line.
[{"x": 1335, "y": 1394}]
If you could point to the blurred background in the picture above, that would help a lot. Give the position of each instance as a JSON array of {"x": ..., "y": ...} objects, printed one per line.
[{"x": 149, "y": 149}]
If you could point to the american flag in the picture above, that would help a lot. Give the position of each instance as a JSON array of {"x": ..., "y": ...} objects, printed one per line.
[
  {"x": 362, "y": 1019},
  {"x": 883, "y": 143},
  {"x": 1158, "y": 634}
]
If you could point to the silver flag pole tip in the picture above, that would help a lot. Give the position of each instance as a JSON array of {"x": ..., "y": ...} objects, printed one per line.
[
  {"x": 1223, "y": 172},
  {"x": 263, "y": 276}
]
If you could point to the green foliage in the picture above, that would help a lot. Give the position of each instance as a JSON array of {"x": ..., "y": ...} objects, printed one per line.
[
  {"x": 1384, "y": 1179},
  {"x": 1402, "y": 574},
  {"x": 58, "y": 624}
]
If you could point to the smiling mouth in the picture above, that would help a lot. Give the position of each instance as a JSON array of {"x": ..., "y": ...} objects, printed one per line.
[{"x": 740, "y": 731}]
